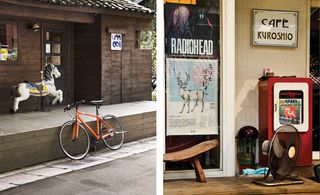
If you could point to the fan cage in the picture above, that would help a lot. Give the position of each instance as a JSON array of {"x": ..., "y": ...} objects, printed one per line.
[{"x": 286, "y": 129}]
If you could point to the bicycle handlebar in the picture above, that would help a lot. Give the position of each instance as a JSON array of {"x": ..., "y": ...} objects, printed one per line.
[{"x": 75, "y": 104}]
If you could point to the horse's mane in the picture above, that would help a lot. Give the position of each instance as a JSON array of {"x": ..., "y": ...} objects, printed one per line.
[{"x": 47, "y": 72}]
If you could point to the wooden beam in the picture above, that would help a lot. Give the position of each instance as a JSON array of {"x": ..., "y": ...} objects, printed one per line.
[
  {"x": 117, "y": 30},
  {"x": 48, "y": 14}
]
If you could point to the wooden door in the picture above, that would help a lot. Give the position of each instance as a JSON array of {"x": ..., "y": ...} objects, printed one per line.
[{"x": 55, "y": 46}]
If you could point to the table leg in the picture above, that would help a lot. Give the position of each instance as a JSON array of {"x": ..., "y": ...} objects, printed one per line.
[{"x": 201, "y": 177}]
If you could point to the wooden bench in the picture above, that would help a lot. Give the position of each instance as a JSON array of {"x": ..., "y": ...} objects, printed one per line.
[{"x": 191, "y": 154}]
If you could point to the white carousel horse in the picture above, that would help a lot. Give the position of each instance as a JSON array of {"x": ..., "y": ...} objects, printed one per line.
[{"x": 46, "y": 87}]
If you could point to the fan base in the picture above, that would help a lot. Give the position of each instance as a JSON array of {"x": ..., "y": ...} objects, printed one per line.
[{"x": 274, "y": 182}]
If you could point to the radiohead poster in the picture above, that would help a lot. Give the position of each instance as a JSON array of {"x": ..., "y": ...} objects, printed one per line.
[
  {"x": 192, "y": 96},
  {"x": 191, "y": 31}
]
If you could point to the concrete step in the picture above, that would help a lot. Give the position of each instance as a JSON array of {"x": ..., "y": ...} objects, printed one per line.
[{"x": 32, "y": 138}]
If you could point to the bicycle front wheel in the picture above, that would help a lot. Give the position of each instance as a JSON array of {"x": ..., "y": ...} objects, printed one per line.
[
  {"x": 113, "y": 128},
  {"x": 74, "y": 147}
]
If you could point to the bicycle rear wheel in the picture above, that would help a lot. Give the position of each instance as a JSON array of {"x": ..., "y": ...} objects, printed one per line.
[
  {"x": 116, "y": 133},
  {"x": 75, "y": 149}
]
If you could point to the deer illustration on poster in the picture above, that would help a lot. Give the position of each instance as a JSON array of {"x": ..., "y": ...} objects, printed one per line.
[{"x": 194, "y": 95}]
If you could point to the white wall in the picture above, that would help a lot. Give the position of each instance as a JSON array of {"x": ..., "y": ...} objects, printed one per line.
[
  {"x": 250, "y": 60},
  {"x": 315, "y": 3}
]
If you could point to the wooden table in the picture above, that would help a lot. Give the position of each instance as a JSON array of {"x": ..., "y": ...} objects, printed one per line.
[
  {"x": 236, "y": 185},
  {"x": 191, "y": 154}
]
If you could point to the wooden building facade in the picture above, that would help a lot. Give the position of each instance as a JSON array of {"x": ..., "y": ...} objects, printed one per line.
[{"x": 75, "y": 35}]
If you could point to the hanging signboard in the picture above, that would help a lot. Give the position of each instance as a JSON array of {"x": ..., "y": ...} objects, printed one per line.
[
  {"x": 275, "y": 28},
  {"x": 192, "y": 96},
  {"x": 116, "y": 41},
  {"x": 191, "y": 31}
]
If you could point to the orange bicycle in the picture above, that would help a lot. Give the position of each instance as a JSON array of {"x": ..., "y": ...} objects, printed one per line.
[{"x": 74, "y": 137}]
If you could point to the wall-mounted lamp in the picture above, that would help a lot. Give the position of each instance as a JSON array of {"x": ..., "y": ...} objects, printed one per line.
[{"x": 35, "y": 27}]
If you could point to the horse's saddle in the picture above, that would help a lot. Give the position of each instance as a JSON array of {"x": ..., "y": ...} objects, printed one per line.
[{"x": 39, "y": 88}]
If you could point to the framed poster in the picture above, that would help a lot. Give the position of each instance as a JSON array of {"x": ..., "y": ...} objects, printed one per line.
[
  {"x": 191, "y": 31},
  {"x": 192, "y": 96},
  {"x": 275, "y": 28},
  {"x": 290, "y": 111}
]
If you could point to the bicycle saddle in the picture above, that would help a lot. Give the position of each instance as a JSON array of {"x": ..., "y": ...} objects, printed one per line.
[{"x": 96, "y": 102}]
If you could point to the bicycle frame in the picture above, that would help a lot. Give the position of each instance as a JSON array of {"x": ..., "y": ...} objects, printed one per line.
[{"x": 96, "y": 133}]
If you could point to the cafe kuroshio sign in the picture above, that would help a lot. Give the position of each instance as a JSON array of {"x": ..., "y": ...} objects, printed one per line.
[{"x": 275, "y": 28}]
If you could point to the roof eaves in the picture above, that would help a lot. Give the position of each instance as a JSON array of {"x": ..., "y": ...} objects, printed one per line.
[{"x": 122, "y": 5}]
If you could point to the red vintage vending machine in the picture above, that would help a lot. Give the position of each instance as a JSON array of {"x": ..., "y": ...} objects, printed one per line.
[{"x": 286, "y": 100}]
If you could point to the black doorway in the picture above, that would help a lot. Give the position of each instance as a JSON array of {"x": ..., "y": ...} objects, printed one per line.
[
  {"x": 315, "y": 73},
  {"x": 55, "y": 44}
]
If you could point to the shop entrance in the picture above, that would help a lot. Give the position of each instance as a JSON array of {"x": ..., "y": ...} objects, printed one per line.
[
  {"x": 315, "y": 74},
  {"x": 56, "y": 51}
]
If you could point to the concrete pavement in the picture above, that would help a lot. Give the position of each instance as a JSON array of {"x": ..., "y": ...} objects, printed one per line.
[{"x": 118, "y": 172}]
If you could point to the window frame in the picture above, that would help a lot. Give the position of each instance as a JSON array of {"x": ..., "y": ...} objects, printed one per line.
[
  {"x": 17, "y": 61},
  {"x": 210, "y": 172},
  {"x": 227, "y": 93}
]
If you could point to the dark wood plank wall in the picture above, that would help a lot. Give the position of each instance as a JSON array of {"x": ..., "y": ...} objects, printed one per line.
[
  {"x": 87, "y": 61},
  {"x": 141, "y": 75},
  {"x": 28, "y": 67},
  {"x": 126, "y": 74},
  {"x": 114, "y": 76}
]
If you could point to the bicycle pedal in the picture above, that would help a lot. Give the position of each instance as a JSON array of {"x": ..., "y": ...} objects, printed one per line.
[
  {"x": 117, "y": 132},
  {"x": 104, "y": 136}
]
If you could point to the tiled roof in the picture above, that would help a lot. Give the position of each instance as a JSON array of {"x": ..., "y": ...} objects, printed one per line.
[{"x": 123, "y": 5}]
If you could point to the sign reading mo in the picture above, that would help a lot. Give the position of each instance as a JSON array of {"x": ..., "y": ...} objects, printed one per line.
[
  {"x": 116, "y": 41},
  {"x": 275, "y": 28}
]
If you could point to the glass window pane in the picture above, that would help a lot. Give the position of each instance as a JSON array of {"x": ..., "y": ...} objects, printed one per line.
[
  {"x": 192, "y": 48},
  {"x": 56, "y": 48},
  {"x": 144, "y": 39},
  {"x": 315, "y": 74},
  {"x": 8, "y": 42},
  {"x": 291, "y": 107},
  {"x": 47, "y": 36},
  {"x": 55, "y": 36},
  {"x": 48, "y": 48},
  {"x": 56, "y": 60}
]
